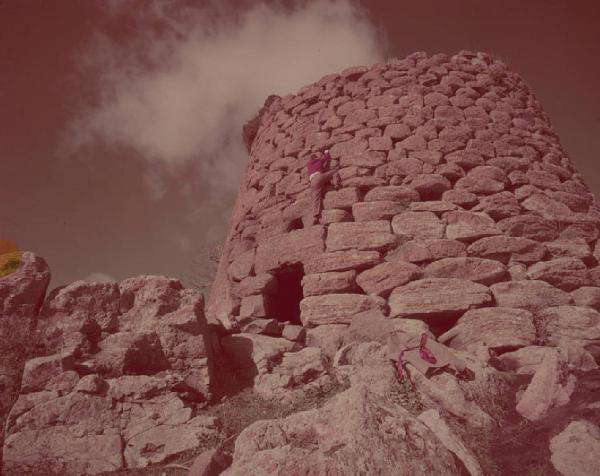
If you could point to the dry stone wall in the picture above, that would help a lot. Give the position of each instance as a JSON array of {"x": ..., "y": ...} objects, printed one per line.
[{"x": 456, "y": 195}]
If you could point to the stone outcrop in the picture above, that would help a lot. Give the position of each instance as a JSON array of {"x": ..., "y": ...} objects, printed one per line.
[{"x": 133, "y": 366}]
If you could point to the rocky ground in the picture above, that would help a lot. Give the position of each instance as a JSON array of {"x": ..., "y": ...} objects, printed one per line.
[{"x": 459, "y": 221}]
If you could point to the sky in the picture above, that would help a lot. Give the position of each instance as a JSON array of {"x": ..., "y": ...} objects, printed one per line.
[{"x": 120, "y": 120}]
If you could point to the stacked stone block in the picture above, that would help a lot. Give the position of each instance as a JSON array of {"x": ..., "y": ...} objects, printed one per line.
[{"x": 456, "y": 196}]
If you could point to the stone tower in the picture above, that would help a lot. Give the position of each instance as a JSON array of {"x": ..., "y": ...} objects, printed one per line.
[{"x": 456, "y": 196}]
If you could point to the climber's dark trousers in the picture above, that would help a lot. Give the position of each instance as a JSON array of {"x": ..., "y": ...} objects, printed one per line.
[{"x": 318, "y": 184}]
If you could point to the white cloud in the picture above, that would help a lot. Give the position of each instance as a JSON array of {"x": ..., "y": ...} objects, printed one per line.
[
  {"x": 100, "y": 277},
  {"x": 182, "y": 90}
]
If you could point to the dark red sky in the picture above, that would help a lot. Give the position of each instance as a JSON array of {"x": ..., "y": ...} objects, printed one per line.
[{"x": 93, "y": 212}]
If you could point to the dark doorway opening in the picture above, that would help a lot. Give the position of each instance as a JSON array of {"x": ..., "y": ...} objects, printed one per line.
[{"x": 286, "y": 302}]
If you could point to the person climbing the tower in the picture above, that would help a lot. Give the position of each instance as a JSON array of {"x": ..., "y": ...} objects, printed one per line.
[{"x": 319, "y": 177}]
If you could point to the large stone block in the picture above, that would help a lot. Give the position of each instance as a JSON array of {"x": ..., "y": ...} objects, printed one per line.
[
  {"x": 422, "y": 225},
  {"x": 342, "y": 261},
  {"x": 335, "y": 308},
  {"x": 368, "y": 235},
  {"x": 479, "y": 270},
  {"x": 470, "y": 226},
  {"x": 296, "y": 246},
  {"x": 437, "y": 297},
  {"x": 381, "y": 279},
  {"x": 531, "y": 295},
  {"x": 499, "y": 328}
]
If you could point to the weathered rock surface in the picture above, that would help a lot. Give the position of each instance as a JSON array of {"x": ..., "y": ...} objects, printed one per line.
[
  {"x": 334, "y": 440},
  {"x": 575, "y": 449},
  {"x": 22, "y": 291}
]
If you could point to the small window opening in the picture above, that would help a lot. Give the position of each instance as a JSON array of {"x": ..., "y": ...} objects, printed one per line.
[{"x": 286, "y": 301}]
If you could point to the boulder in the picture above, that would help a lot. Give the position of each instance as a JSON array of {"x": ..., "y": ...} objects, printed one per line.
[
  {"x": 335, "y": 308},
  {"x": 564, "y": 273},
  {"x": 361, "y": 435},
  {"x": 508, "y": 249},
  {"x": 531, "y": 295},
  {"x": 23, "y": 290},
  {"x": 367, "y": 235},
  {"x": 470, "y": 226},
  {"x": 498, "y": 328},
  {"x": 381, "y": 279},
  {"x": 437, "y": 297},
  {"x": 422, "y": 225},
  {"x": 328, "y": 283},
  {"x": 479, "y": 270},
  {"x": 575, "y": 449},
  {"x": 551, "y": 387},
  {"x": 82, "y": 303}
]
